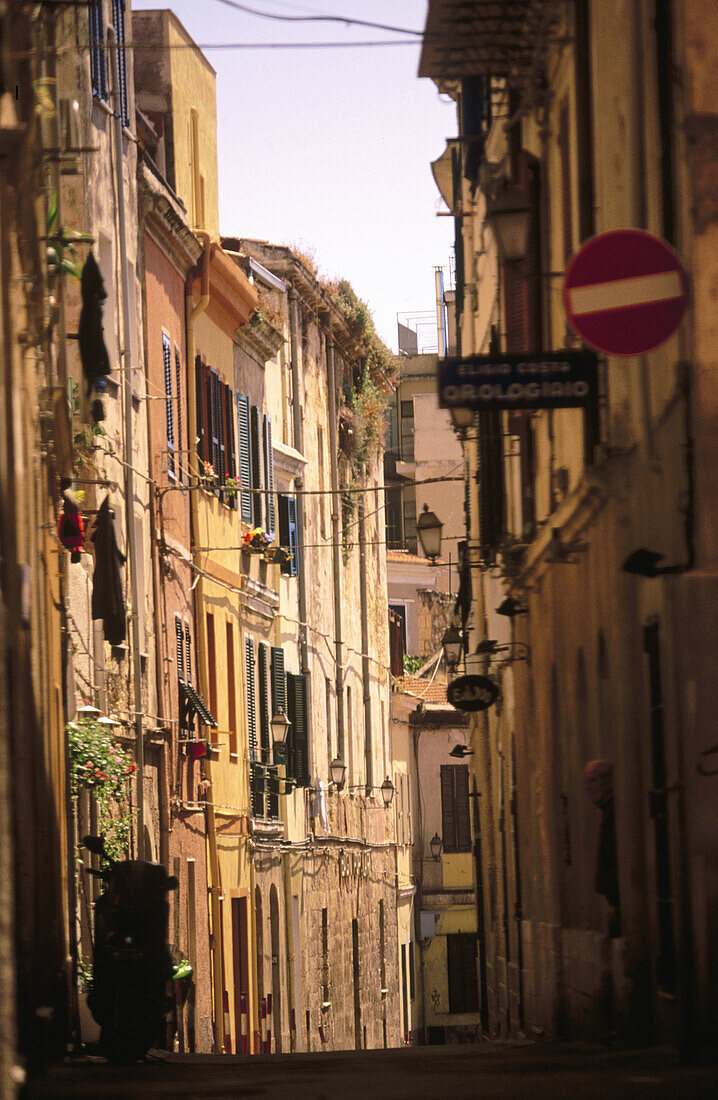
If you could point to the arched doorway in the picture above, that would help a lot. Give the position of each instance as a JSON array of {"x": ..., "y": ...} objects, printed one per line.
[{"x": 276, "y": 988}]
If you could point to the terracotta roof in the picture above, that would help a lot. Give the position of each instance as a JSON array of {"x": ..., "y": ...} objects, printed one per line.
[
  {"x": 404, "y": 555},
  {"x": 430, "y": 692}
]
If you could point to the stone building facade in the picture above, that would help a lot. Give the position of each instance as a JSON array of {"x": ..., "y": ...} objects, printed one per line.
[{"x": 601, "y": 124}]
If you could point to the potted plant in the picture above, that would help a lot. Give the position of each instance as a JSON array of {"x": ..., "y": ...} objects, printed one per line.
[
  {"x": 257, "y": 540},
  {"x": 278, "y": 555},
  {"x": 207, "y": 474},
  {"x": 231, "y": 488}
]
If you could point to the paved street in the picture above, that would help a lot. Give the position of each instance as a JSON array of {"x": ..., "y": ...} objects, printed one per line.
[{"x": 455, "y": 1071}]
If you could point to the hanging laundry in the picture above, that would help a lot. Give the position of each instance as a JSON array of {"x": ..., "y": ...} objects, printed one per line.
[
  {"x": 107, "y": 599},
  {"x": 70, "y": 523},
  {"x": 93, "y": 353}
]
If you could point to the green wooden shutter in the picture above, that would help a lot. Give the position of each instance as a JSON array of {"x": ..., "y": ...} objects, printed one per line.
[
  {"x": 201, "y": 402},
  {"x": 231, "y": 450},
  {"x": 279, "y": 688},
  {"x": 269, "y": 474},
  {"x": 299, "y": 733},
  {"x": 245, "y": 457},
  {"x": 256, "y": 453},
  {"x": 251, "y": 698},
  {"x": 179, "y": 638},
  {"x": 264, "y": 732}
]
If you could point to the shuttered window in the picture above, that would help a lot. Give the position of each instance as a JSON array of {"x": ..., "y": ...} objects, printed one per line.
[
  {"x": 263, "y": 681},
  {"x": 269, "y": 474},
  {"x": 256, "y": 453},
  {"x": 215, "y": 429},
  {"x": 297, "y": 712},
  {"x": 118, "y": 20},
  {"x": 98, "y": 55},
  {"x": 245, "y": 457},
  {"x": 179, "y": 638},
  {"x": 491, "y": 482},
  {"x": 256, "y": 772},
  {"x": 188, "y": 653},
  {"x": 229, "y": 438},
  {"x": 461, "y": 972},
  {"x": 287, "y": 506},
  {"x": 179, "y": 465},
  {"x": 456, "y": 824},
  {"x": 169, "y": 405},
  {"x": 200, "y": 371}
]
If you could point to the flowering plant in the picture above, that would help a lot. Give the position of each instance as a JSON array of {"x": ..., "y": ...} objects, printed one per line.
[
  {"x": 208, "y": 471},
  {"x": 100, "y": 766},
  {"x": 257, "y": 539},
  {"x": 231, "y": 484}
]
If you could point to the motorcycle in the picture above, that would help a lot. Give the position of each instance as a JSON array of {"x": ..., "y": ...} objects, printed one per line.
[{"x": 131, "y": 960}]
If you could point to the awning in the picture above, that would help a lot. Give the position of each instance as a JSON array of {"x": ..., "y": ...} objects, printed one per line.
[{"x": 191, "y": 704}]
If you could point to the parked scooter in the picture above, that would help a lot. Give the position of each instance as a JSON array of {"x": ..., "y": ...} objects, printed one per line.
[{"x": 132, "y": 962}]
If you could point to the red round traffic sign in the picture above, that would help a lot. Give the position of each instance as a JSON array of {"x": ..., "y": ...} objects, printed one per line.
[{"x": 625, "y": 292}]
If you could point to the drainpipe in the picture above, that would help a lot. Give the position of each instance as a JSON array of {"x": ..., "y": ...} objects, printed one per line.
[
  {"x": 129, "y": 443},
  {"x": 299, "y": 445},
  {"x": 289, "y": 949},
  {"x": 365, "y": 675},
  {"x": 193, "y": 311},
  {"x": 336, "y": 553}
]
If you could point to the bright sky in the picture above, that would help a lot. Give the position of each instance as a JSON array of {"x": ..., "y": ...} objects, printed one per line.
[{"x": 329, "y": 149}]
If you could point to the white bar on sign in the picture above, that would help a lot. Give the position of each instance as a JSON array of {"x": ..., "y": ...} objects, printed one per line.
[{"x": 639, "y": 290}]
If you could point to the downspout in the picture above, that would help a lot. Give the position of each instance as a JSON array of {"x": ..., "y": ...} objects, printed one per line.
[
  {"x": 193, "y": 311},
  {"x": 366, "y": 681},
  {"x": 289, "y": 948},
  {"x": 299, "y": 446},
  {"x": 336, "y": 553},
  {"x": 129, "y": 471}
]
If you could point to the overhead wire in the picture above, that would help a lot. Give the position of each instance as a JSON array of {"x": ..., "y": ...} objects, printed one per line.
[{"x": 345, "y": 19}]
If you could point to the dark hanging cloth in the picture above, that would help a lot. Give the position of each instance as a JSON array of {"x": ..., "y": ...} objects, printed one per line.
[
  {"x": 107, "y": 600},
  {"x": 93, "y": 353}
]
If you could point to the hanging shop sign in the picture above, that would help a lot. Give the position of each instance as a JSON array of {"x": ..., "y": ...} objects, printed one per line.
[
  {"x": 625, "y": 292},
  {"x": 553, "y": 380},
  {"x": 472, "y": 693}
]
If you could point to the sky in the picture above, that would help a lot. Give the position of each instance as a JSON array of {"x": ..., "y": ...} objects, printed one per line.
[{"x": 330, "y": 149}]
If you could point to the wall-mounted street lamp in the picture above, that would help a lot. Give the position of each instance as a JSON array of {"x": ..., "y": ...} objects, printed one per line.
[
  {"x": 387, "y": 791},
  {"x": 337, "y": 770},
  {"x": 280, "y": 728},
  {"x": 461, "y": 419},
  {"x": 460, "y": 751},
  {"x": 511, "y": 607},
  {"x": 519, "y": 651},
  {"x": 509, "y": 214},
  {"x": 88, "y": 711},
  {"x": 429, "y": 528},
  {"x": 436, "y": 846},
  {"x": 452, "y": 644}
]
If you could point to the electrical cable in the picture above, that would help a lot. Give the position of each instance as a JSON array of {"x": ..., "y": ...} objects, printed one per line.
[{"x": 347, "y": 20}]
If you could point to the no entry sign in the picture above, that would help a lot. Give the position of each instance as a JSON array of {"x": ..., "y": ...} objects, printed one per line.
[{"x": 625, "y": 292}]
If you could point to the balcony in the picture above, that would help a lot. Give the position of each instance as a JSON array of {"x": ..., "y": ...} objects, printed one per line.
[{"x": 495, "y": 38}]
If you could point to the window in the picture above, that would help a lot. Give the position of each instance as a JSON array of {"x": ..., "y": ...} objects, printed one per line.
[
  {"x": 461, "y": 970},
  {"x": 231, "y": 691},
  {"x": 407, "y": 431},
  {"x": 118, "y": 21},
  {"x": 322, "y": 502},
  {"x": 410, "y": 522},
  {"x": 412, "y": 987},
  {"x": 256, "y": 455},
  {"x": 391, "y": 438},
  {"x": 98, "y": 55},
  {"x": 178, "y": 426},
  {"x": 169, "y": 406},
  {"x": 269, "y": 474},
  {"x": 278, "y": 702},
  {"x": 183, "y": 670},
  {"x": 256, "y": 773},
  {"x": 215, "y": 427},
  {"x": 211, "y": 664},
  {"x": 393, "y": 509},
  {"x": 328, "y": 695},
  {"x": 298, "y": 738},
  {"x": 269, "y": 771},
  {"x": 455, "y": 808},
  {"x": 287, "y": 506},
  {"x": 244, "y": 449}
]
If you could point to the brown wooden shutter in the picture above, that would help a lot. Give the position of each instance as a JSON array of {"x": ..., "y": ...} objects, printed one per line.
[
  {"x": 463, "y": 816},
  {"x": 448, "y": 808}
]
